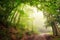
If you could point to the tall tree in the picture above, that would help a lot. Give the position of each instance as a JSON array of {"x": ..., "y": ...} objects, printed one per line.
[{"x": 51, "y": 10}]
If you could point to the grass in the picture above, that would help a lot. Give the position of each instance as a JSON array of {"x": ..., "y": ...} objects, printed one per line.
[{"x": 56, "y": 39}]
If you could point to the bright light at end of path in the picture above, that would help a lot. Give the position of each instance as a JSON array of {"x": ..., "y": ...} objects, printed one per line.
[
  {"x": 38, "y": 18},
  {"x": 37, "y": 14}
]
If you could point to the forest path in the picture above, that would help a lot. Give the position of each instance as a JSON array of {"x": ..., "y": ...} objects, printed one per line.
[{"x": 38, "y": 37}]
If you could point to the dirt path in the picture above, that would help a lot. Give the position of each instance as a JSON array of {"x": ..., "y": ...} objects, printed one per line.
[{"x": 38, "y": 37}]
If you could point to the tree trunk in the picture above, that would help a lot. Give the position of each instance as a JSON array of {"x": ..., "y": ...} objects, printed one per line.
[{"x": 55, "y": 29}]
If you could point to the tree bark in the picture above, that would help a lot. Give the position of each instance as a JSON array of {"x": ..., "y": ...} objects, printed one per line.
[{"x": 55, "y": 29}]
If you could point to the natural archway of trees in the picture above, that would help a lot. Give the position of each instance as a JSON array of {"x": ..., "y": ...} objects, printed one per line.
[{"x": 16, "y": 23}]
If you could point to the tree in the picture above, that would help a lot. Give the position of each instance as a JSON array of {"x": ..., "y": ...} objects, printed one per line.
[
  {"x": 13, "y": 16},
  {"x": 6, "y": 7},
  {"x": 51, "y": 10}
]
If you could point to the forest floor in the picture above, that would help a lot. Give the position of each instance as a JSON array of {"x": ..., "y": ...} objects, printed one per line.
[
  {"x": 56, "y": 38},
  {"x": 43, "y": 36}
]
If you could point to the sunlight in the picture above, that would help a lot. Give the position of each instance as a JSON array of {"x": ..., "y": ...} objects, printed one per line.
[
  {"x": 37, "y": 14},
  {"x": 39, "y": 20}
]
